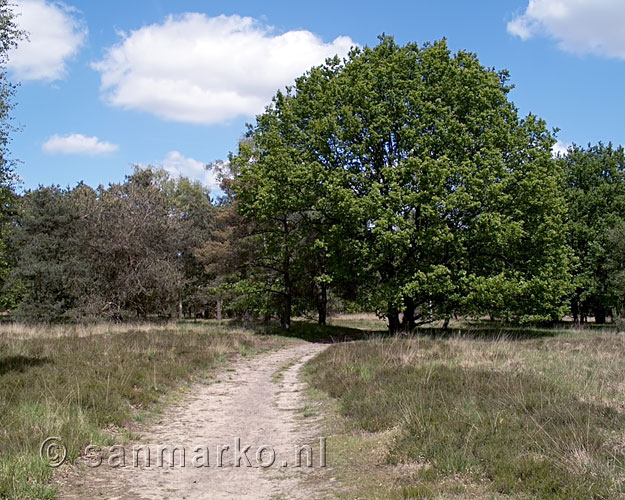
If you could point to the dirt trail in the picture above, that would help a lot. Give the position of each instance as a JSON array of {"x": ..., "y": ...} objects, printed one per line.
[{"x": 249, "y": 403}]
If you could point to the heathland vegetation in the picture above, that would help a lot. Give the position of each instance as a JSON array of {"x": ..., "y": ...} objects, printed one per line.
[
  {"x": 536, "y": 416},
  {"x": 84, "y": 385},
  {"x": 400, "y": 180}
]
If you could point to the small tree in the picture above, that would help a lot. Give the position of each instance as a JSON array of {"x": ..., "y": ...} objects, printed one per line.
[
  {"x": 50, "y": 268},
  {"x": 134, "y": 247}
]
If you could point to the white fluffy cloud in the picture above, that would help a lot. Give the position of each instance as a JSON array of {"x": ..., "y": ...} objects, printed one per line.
[
  {"x": 54, "y": 35},
  {"x": 579, "y": 26},
  {"x": 560, "y": 148},
  {"x": 179, "y": 165},
  {"x": 198, "y": 69},
  {"x": 77, "y": 144}
]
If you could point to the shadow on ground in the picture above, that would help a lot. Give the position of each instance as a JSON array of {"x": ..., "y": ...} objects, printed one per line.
[
  {"x": 327, "y": 334},
  {"x": 312, "y": 332},
  {"x": 20, "y": 363}
]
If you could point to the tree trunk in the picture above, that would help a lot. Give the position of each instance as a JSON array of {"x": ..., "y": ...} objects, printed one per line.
[
  {"x": 408, "y": 321},
  {"x": 322, "y": 305},
  {"x": 599, "y": 313},
  {"x": 180, "y": 307},
  {"x": 285, "y": 317},
  {"x": 219, "y": 310},
  {"x": 393, "y": 321},
  {"x": 575, "y": 310}
]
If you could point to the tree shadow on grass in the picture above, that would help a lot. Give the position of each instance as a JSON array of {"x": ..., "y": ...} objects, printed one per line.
[
  {"x": 322, "y": 334},
  {"x": 471, "y": 330},
  {"x": 326, "y": 334},
  {"x": 491, "y": 333},
  {"x": 486, "y": 330},
  {"x": 20, "y": 363}
]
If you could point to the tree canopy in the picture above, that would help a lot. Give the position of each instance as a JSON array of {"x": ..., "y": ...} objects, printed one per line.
[
  {"x": 409, "y": 169},
  {"x": 595, "y": 189}
]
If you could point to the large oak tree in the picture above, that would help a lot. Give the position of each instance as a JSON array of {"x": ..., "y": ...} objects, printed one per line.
[{"x": 413, "y": 172}]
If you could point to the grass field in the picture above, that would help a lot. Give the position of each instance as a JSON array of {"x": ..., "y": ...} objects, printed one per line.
[
  {"x": 83, "y": 384},
  {"x": 534, "y": 415},
  {"x": 479, "y": 413}
]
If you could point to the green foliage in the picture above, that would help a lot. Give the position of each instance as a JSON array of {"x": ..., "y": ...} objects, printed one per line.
[
  {"x": 125, "y": 250},
  {"x": 595, "y": 188},
  {"x": 49, "y": 269},
  {"x": 615, "y": 265},
  {"x": 196, "y": 212},
  {"x": 10, "y": 35},
  {"x": 404, "y": 177}
]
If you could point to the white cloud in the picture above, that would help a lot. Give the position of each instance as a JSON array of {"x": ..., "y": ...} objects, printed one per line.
[
  {"x": 179, "y": 165},
  {"x": 54, "y": 35},
  {"x": 560, "y": 148},
  {"x": 579, "y": 26},
  {"x": 198, "y": 69},
  {"x": 77, "y": 144}
]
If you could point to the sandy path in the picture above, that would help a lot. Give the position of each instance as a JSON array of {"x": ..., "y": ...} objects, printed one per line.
[{"x": 246, "y": 403}]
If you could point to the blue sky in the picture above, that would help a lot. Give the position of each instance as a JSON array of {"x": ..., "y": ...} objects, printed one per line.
[{"x": 105, "y": 85}]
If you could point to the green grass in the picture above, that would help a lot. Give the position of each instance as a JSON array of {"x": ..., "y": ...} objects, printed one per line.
[
  {"x": 83, "y": 386},
  {"x": 278, "y": 375},
  {"x": 462, "y": 417}
]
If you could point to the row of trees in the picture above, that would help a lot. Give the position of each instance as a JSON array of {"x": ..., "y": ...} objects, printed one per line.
[
  {"x": 157, "y": 246},
  {"x": 109, "y": 252},
  {"x": 400, "y": 179},
  {"x": 595, "y": 192}
]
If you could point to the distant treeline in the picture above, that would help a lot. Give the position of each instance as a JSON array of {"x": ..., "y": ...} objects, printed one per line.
[
  {"x": 400, "y": 180},
  {"x": 157, "y": 246}
]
